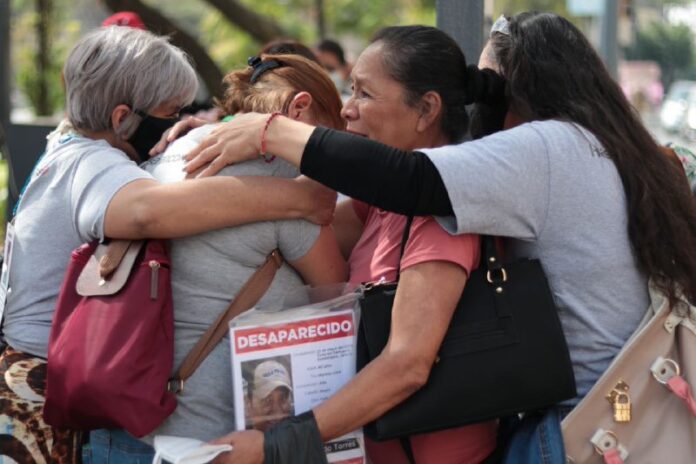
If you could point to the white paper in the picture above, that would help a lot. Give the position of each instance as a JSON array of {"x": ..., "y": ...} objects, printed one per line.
[
  {"x": 180, "y": 450},
  {"x": 287, "y": 362}
]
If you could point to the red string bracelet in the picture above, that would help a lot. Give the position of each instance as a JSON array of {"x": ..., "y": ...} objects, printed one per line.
[{"x": 273, "y": 115}]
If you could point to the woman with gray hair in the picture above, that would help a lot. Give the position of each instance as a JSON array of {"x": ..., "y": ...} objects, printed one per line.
[{"x": 124, "y": 89}]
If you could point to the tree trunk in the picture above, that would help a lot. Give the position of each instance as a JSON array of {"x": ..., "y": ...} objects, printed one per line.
[
  {"x": 209, "y": 72},
  {"x": 321, "y": 19},
  {"x": 259, "y": 27},
  {"x": 44, "y": 8}
]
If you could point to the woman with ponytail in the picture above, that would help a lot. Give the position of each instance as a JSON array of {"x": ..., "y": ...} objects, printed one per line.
[
  {"x": 576, "y": 181},
  {"x": 410, "y": 88}
]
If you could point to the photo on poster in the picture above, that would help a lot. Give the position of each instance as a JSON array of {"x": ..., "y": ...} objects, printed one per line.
[{"x": 269, "y": 391}]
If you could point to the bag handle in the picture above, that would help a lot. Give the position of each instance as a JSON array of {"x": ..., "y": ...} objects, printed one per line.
[{"x": 250, "y": 294}]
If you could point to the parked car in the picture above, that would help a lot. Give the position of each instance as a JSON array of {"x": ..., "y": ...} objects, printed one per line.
[{"x": 675, "y": 106}]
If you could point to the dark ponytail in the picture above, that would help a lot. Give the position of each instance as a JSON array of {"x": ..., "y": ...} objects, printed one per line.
[
  {"x": 484, "y": 86},
  {"x": 425, "y": 59},
  {"x": 487, "y": 90}
]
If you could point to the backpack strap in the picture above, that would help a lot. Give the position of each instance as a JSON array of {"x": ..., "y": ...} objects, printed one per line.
[
  {"x": 109, "y": 267},
  {"x": 250, "y": 294},
  {"x": 114, "y": 252}
]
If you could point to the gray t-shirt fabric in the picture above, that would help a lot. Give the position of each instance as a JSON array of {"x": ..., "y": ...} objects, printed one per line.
[
  {"x": 62, "y": 207},
  {"x": 551, "y": 187},
  {"x": 207, "y": 271}
]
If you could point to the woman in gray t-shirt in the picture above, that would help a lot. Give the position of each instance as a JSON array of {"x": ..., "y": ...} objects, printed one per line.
[
  {"x": 124, "y": 87},
  {"x": 209, "y": 269}
]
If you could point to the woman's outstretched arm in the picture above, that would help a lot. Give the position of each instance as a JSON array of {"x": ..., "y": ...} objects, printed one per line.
[{"x": 391, "y": 179}]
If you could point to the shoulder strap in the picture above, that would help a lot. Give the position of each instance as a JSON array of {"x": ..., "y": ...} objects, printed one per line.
[
  {"x": 489, "y": 254},
  {"x": 404, "y": 240},
  {"x": 247, "y": 297}
]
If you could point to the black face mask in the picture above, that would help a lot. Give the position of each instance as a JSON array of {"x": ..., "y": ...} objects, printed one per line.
[{"x": 148, "y": 133}]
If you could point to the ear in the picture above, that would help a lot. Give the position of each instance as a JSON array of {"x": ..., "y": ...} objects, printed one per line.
[
  {"x": 118, "y": 115},
  {"x": 430, "y": 109},
  {"x": 299, "y": 106}
]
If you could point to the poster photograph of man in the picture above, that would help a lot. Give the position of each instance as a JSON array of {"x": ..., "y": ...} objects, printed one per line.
[{"x": 270, "y": 392}]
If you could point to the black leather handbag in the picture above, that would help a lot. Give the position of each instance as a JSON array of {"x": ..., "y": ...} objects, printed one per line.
[{"x": 504, "y": 351}]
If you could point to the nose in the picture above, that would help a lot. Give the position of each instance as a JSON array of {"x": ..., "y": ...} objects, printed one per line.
[{"x": 349, "y": 112}]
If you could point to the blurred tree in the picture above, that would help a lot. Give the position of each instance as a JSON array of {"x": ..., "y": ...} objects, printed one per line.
[
  {"x": 44, "y": 10},
  {"x": 671, "y": 46},
  {"x": 160, "y": 24},
  {"x": 42, "y": 34},
  {"x": 261, "y": 28},
  {"x": 321, "y": 19},
  {"x": 217, "y": 34},
  {"x": 511, "y": 7}
]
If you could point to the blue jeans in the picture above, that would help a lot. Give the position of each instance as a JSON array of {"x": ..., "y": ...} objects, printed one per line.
[
  {"x": 536, "y": 438},
  {"x": 117, "y": 447}
]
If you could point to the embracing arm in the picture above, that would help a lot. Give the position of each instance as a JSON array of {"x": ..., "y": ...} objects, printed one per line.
[
  {"x": 347, "y": 226},
  {"x": 391, "y": 179},
  {"x": 146, "y": 208},
  {"x": 323, "y": 263},
  {"x": 419, "y": 322}
]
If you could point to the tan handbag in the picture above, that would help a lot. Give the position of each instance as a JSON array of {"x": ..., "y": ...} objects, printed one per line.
[{"x": 642, "y": 409}]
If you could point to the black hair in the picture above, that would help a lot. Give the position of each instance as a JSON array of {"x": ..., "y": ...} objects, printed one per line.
[
  {"x": 554, "y": 73},
  {"x": 333, "y": 47},
  {"x": 424, "y": 59}
]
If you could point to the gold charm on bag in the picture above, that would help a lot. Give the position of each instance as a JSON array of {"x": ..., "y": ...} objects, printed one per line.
[{"x": 620, "y": 402}]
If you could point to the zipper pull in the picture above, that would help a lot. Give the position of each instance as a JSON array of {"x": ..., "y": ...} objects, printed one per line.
[{"x": 154, "y": 278}]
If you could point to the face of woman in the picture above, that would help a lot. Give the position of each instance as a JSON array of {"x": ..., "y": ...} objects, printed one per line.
[
  {"x": 487, "y": 58},
  {"x": 377, "y": 109}
]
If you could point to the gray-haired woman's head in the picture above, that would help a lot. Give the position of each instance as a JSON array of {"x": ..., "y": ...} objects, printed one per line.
[{"x": 121, "y": 65}]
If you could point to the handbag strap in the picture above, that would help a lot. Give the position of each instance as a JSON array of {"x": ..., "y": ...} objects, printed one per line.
[
  {"x": 488, "y": 253},
  {"x": 250, "y": 294},
  {"x": 404, "y": 240}
]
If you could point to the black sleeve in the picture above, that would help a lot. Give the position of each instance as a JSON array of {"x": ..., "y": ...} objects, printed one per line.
[{"x": 395, "y": 180}]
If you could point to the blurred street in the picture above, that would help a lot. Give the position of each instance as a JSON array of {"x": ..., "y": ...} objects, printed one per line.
[{"x": 652, "y": 122}]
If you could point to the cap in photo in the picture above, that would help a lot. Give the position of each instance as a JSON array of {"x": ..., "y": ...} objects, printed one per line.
[{"x": 268, "y": 376}]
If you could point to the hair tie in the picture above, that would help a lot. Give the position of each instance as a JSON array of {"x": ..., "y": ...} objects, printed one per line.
[
  {"x": 501, "y": 25},
  {"x": 484, "y": 86},
  {"x": 261, "y": 67},
  {"x": 474, "y": 84}
]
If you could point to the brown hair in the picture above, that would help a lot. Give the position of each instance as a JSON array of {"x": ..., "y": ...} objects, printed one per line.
[{"x": 275, "y": 89}]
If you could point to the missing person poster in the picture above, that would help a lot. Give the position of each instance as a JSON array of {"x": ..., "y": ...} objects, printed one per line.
[{"x": 289, "y": 362}]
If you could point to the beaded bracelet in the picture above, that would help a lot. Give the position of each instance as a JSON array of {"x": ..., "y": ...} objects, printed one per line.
[{"x": 273, "y": 115}]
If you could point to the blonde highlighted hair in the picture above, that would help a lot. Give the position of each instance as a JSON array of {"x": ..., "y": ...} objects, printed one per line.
[{"x": 275, "y": 89}]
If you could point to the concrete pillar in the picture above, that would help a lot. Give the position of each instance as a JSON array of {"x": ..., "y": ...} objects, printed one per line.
[
  {"x": 463, "y": 20},
  {"x": 609, "y": 47}
]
